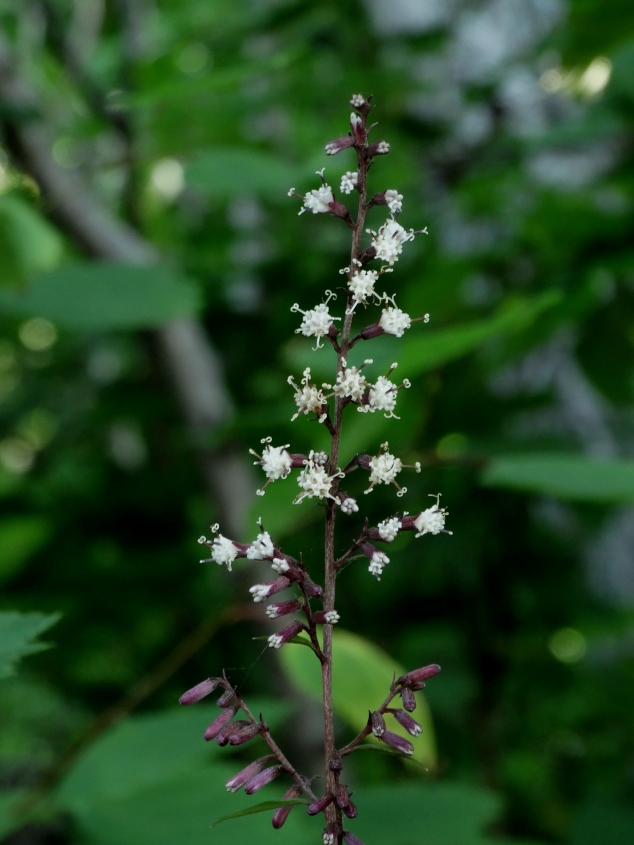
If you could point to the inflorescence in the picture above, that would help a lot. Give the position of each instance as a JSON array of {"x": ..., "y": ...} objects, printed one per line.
[{"x": 320, "y": 477}]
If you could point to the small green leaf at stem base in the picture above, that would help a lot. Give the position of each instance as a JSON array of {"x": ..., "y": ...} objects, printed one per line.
[{"x": 263, "y": 807}]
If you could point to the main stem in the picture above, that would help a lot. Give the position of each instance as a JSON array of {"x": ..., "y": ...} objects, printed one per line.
[{"x": 333, "y": 813}]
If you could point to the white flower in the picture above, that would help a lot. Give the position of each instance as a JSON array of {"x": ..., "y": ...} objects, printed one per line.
[
  {"x": 317, "y": 200},
  {"x": 276, "y": 461},
  {"x": 308, "y": 398},
  {"x": 317, "y": 321},
  {"x": 362, "y": 285},
  {"x": 349, "y": 506},
  {"x": 259, "y": 592},
  {"x": 389, "y": 528},
  {"x": 332, "y": 617},
  {"x": 349, "y": 181},
  {"x": 357, "y": 100},
  {"x": 431, "y": 521},
  {"x": 389, "y": 241},
  {"x": 383, "y": 147},
  {"x": 223, "y": 551},
  {"x": 315, "y": 482},
  {"x": 384, "y": 468},
  {"x": 382, "y": 397},
  {"x": 271, "y": 611},
  {"x": 379, "y": 560},
  {"x": 350, "y": 384},
  {"x": 275, "y": 641},
  {"x": 394, "y": 321},
  {"x": 262, "y": 548},
  {"x": 319, "y": 458},
  {"x": 280, "y": 565},
  {"x": 394, "y": 201}
]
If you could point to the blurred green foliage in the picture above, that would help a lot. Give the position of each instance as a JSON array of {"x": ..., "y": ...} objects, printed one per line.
[{"x": 511, "y": 130}]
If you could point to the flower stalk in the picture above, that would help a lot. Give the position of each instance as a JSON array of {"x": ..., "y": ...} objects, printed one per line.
[{"x": 320, "y": 477}]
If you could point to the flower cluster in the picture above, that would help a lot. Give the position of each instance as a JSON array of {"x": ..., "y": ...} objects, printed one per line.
[{"x": 306, "y": 609}]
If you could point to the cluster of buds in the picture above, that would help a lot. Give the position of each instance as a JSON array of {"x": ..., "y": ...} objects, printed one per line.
[{"x": 319, "y": 477}]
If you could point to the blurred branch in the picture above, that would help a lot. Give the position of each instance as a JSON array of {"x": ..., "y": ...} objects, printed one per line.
[
  {"x": 142, "y": 690},
  {"x": 191, "y": 359}
]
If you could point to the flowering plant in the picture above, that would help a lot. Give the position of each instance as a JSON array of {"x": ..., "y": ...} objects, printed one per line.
[{"x": 321, "y": 477}]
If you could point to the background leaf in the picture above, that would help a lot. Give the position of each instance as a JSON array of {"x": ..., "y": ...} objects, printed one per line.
[
  {"x": 20, "y": 538},
  {"x": 362, "y": 675},
  {"x": 28, "y": 242},
  {"x": 18, "y": 632},
  {"x": 563, "y": 476},
  {"x": 104, "y": 296},
  {"x": 227, "y": 172}
]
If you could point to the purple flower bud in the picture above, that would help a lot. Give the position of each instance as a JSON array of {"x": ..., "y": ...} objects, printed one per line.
[
  {"x": 245, "y": 734},
  {"x": 330, "y": 834},
  {"x": 350, "y": 810},
  {"x": 411, "y": 725},
  {"x": 298, "y": 461},
  {"x": 381, "y": 148},
  {"x": 286, "y": 634},
  {"x": 351, "y": 839},
  {"x": 320, "y": 804},
  {"x": 313, "y": 591},
  {"x": 409, "y": 699},
  {"x": 378, "y": 724},
  {"x": 223, "y": 737},
  {"x": 342, "y": 796},
  {"x": 419, "y": 674},
  {"x": 360, "y": 103},
  {"x": 282, "y": 813},
  {"x": 357, "y": 124},
  {"x": 199, "y": 691},
  {"x": 219, "y": 723},
  {"x": 398, "y": 742},
  {"x": 283, "y": 608},
  {"x": 269, "y": 588},
  {"x": 373, "y": 330},
  {"x": 226, "y": 699},
  {"x": 368, "y": 254},
  {"x": 262, "y": 779},
  {"x": 238, "y": 781},
  {"x": 418, "y": 686},
  {"x": 339, "y": 210},
  {"x": 334, "y": 147}
]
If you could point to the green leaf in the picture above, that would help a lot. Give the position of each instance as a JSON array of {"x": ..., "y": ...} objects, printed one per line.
[
  {"x": 438, "y": 813},
  {"x": 20, "y": 538},
  {"x": 278, "y": 515},
  {"x": 104, "y": 296},
  {"x": 147, "y": 749},
  {"x": 264, "y": 807},
  {"x": 28, "y": 243},
  {"x": 429, "y": 349},
  {"x": 225, "y": 172},
  {"x": 362, "y": 675},
  {"x": 10, "y": 820},
  {"x": 563, "y": 476},
  {"x": 18, "y": 632}
]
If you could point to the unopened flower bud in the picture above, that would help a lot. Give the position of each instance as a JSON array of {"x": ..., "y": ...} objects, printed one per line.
[
  {"x": 350, "y": 810},
  {"x": 283, "y": 608},
  {"x": 358, "y": 129},
  {"x": 329, "y": 836},
  {"x": 223, "y": 737},
  {"x": 263, "y": 591},
  {"x": 351, "y": 839},
  {"x": 339, "y": 210},
  {"x": 381, "y": 148},
  {"x": 334, "y": 147},
  {"x": 282, "y": 813},
  {"x": 409, "y": 699},
  {"x": 244, "y": 734},
  {"x": 199, "y": 691},
  {"x": 238, "y": 781},
  {"x": 286, "y": 634},
  {"x": 326, "y": 617},
  {"x": 359, "y": 102},
  {"x": 368, "y": 254},
  {"x": 262, "y": 779},
  {"x": 342, "y": 796},
  {"x": 378, "y": 724},
  {"x": 226, "y": 699},
  {"x": 219, "y": 723},
  {"x": 398, "y": 742},
  {"x": 320, "y": 804},
  {"x": 313, "y": 591},
  {"x": 422, "y": 674},
  {"x": 411, "y": 725}
]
